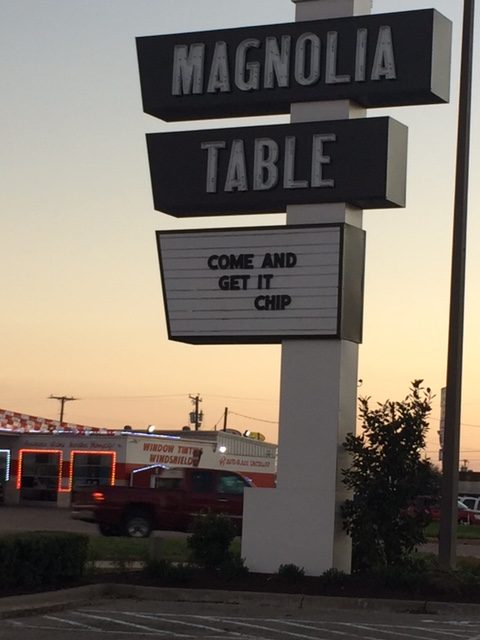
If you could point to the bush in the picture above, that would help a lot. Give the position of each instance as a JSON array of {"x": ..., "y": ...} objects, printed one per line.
[
  {"x": 167, "y": 572},
  {"x": 291, "y": 572},
  {"x": 210, "y": 541},
  {"x": 402, "y": 578},
  {"x": 334, "y": 578},
  {"x": 233, "y": 567},
  {"x": 386, "y": 474},
  {"x": 31, "y": 560}
]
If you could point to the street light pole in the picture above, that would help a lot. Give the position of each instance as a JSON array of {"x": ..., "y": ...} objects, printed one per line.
[{"x": 451, "y": 450}]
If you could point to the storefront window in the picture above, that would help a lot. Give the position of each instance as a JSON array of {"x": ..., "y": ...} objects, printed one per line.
[
  {"x": 40, "y": 475},
  {"x": 92, "y": 469}
]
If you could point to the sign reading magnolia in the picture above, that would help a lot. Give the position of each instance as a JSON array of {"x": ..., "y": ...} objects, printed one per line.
[
  {"x": 375, "y": 60},
  {"x": 264, "y": 169},
  {"x": 263, "y": 284}
]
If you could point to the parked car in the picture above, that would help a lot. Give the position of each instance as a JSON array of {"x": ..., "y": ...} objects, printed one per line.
[
  {"x": 471, "y": 502},
  {"x": 178, "y": 497},
  {"x": 431, "y": 507}
]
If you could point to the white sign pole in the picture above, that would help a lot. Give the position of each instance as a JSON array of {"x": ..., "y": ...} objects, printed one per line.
[{"x": 299, "y": 522}]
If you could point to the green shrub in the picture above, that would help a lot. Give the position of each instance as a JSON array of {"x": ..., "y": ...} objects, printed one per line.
[
  {"x": 387, "y": 472},
  {"x": 233, "y": 567},
  {"x": 291, "y": 572},
  {"x": 401, "y": 578},
  {"x": 167, "y": 572},
  {"x": 469, "y": 564},
  {"x": 31, "y": 560},
  {"x": 334, "y": 577},
  {"x": 210, "y": 541},
  {"x": 469, "y": 581}
]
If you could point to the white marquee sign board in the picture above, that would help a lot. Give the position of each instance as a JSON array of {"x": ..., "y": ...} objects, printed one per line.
[{"x": 263, "y": 284}]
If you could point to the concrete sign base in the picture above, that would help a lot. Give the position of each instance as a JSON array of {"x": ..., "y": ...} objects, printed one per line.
[{"x": 299, "y": 522}]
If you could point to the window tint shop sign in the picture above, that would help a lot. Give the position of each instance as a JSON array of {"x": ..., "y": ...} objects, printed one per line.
[
  {"x": 264, "y": 169},
  {"x": 263, "y": 284},
  {"x": 375, "y": 60}
]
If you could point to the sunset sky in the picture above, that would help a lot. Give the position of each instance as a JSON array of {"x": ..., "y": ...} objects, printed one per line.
[{"x": 82, "y": 311}]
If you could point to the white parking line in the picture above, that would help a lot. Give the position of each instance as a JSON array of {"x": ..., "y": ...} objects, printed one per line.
[
  {"x": 395, "y": 633},
  {"x": 72, "y": 622},
  {"x": 309, "y": 626},
  {"x": 237, "y": 627},
  {"x": 287, "y": 633},
  {"x": 39, "y": 627},
  {"x": 126, "y": 624},
  {"x": 162, "y": 618},
  {"x": 432, "y": 628}
]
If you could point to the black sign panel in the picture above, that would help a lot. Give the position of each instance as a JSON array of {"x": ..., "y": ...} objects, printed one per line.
[
  {"x": 264, "y": 169},
  {"x": 376, "y": 60}
]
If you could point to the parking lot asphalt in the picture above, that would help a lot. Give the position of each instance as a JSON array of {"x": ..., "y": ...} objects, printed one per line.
[{"x": 136, "y": 612}]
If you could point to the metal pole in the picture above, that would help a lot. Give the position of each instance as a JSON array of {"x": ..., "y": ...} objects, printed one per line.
[
  {"x": 197, "y": 400},
  {"x": 451, "y": 452},
  {"x": 196, "y": 414}
]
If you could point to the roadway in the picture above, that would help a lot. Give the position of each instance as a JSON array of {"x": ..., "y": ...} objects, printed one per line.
[{"x": 47, "y": 518}]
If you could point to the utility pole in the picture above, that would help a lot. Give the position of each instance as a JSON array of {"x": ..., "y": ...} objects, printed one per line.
[
  {"x": 447, "y": 544},
  {"x": 196, "y": 416},
  {"x": 62, "y": 400},
  {"x": 225, "y": 418}
]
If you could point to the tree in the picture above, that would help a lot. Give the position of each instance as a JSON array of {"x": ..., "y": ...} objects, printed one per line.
[{"x": 386, "y": 474}]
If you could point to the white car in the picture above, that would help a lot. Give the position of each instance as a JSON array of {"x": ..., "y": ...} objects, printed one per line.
[{"x": 471, "y": 502}]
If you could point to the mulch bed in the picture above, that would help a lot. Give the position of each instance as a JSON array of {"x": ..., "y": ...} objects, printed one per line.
[{"x": 441, "y": 587}]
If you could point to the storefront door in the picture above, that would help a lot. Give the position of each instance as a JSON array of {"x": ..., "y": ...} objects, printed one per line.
[{"x": 39, "y": 475}]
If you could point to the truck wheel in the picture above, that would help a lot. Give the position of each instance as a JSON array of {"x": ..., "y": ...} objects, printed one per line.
[{"x": 138, "y": 525}]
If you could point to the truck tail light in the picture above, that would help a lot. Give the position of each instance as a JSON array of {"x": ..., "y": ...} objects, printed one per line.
[{"x": 98, "y": 496}]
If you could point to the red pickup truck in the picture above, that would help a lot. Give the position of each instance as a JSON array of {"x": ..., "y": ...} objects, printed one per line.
[{"x": 179, "y": 496}]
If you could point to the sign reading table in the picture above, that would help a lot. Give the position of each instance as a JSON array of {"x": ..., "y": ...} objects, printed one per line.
[{"x": 264, "y": 169}]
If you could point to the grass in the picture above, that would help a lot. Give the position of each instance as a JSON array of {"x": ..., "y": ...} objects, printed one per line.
[
  {"x": 176, "y": 549},
  {"x": 464, "y": 532},
  {"x": 113, "y": 548},
  {"x": 124, "y": 550}
]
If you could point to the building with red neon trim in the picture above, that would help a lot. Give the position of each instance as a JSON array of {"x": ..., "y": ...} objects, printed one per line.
[{"x": 42, "y": 460}]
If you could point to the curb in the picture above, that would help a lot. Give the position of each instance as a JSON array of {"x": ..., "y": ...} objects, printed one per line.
[
  {"x": 45, "y": 602},
  {"x": 41, "y": 603}
]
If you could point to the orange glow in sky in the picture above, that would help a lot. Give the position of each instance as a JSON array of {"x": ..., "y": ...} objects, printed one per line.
[{"x": 82, "y": 311}]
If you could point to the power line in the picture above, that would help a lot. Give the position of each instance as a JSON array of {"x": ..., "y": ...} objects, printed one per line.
[
  {"x": 146, "y": 397},
  {"x": 219, "y": 420},
  {"x": 463, "y": 424},
  {"x": 251, "y": 418}
]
